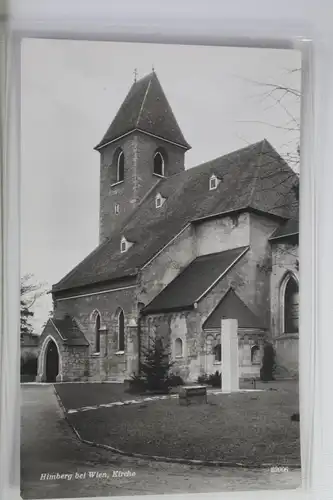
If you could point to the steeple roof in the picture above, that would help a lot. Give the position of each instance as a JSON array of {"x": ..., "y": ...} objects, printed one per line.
[{"x": 147, "y": 109}]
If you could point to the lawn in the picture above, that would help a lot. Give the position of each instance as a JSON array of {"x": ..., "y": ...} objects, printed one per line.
[
  {"x": 90, "y": 394},
  {"x": 253, "y": 428},
  {"x": 77, "y": 395}
]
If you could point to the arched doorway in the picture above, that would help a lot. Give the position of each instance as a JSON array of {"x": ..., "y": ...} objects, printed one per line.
[{"x": 51, "y": 362}]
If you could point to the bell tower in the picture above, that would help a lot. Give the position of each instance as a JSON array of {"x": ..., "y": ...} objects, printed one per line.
[{"x": 143, "y": 145}]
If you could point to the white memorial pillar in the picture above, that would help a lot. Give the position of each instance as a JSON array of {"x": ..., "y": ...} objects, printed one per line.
[
  {"x": 132, "y": 349},
  {"x": 229, "y": 358}
]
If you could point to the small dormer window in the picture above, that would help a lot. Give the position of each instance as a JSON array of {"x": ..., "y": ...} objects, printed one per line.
[
  {"x": 117, "y": 208},
  {"x": 159, "y": 164},
  {"x": 120, "y": 167},
  {"x": 123, "y": 245},
  {"x": 213, "y": 182},
  {"x": 159, "y": 200}
]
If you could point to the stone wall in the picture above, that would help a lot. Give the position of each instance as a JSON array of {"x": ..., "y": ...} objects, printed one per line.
[
  {"x": 260, "y": 256},
  {"x": 139, "y": 150},
  {"x": 158, "y": 273},
  {"x": 284, "y": 263},
  {"x": 75, "y": 364},
  {"x": 110, "y": 363},
  {"x": 286, "y": 348},
  {"x": 250, "y": 278},
  {"x": 172, "y": 326},
  {"x": 195, "y": 360},
  {"x": 247, "y": 338},
  {"x": 223, "y": 233}
]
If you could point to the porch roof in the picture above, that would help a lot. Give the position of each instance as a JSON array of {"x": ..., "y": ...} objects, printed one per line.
[
  {"x": 70, "y": 331},
  {"x": 232, "y": 307},
  {"x": 194, "y": 281}
]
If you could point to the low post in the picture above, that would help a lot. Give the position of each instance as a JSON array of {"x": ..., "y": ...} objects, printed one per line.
[{"x": 229, "y": 358}]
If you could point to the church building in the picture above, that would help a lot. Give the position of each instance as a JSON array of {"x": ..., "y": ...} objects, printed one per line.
[{"x": 180, "y": 250}]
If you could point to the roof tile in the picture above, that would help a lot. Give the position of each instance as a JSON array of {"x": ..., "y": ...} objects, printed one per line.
[
  {"x": 145, "y": 108},
  {"x": 287, "y": 229},
  {"x": 191, "y": 283},
  {"x": 232, "y": 307},
  {"x": 255, "y": 177},
  {"x": 70, "y": 331}
]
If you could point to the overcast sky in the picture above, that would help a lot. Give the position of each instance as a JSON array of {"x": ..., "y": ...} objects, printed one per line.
[{"x": 71, "y": 91}]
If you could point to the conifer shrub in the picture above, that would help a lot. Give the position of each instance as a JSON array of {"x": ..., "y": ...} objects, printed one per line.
[{"x": 154, "y": 376}]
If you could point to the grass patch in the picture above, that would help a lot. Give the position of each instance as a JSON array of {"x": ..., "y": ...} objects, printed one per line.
[
  {"x": 77, "y": 395},
  {"x": 90, "y": 394},
  {"x": 253, "y": 428}
]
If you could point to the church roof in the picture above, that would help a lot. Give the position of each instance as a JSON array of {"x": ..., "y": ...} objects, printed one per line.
[
  {"x": 70, "y": 331},
  {"x": 147, "y": 109},
  {"x": 194, "y": 281},
  {"x": 253, "y": 178},
  {"x": 287, "y": 229},
  {"x": 232, "y": 307}
]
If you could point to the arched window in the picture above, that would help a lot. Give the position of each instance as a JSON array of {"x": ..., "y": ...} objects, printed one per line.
[
  {"x": 218, "y": 352},
  {"x": 178, "y": 348},
  {"x": 255, "y": 355},
  {"x": 159, "y": 164},
  {"x": 121, "y": 331},
  {"x": 98, "y": 333},
  {"x": 120, "y": 167},
  {"x": 291, "y": 306}
]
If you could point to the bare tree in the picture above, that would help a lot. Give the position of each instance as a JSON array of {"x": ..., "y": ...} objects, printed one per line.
[
  {"x": 30, "y": 293},
  {"x": 284, "y": 97}
]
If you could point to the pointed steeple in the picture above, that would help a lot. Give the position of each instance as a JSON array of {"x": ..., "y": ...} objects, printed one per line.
[{"x": 147, "y": 109}]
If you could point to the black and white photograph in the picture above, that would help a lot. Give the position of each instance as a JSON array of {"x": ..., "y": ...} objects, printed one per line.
[{"x": 159, "y": 269}]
